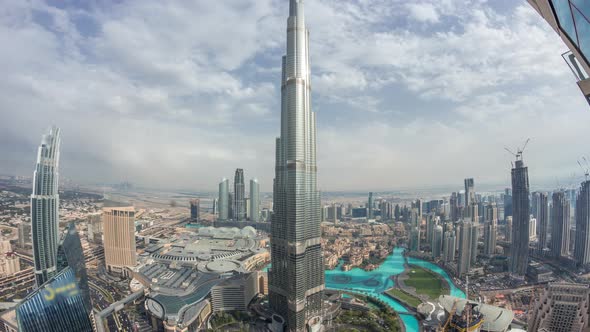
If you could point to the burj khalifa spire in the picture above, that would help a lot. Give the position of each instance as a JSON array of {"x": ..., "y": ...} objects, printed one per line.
[{"x": 296, "y": 279}]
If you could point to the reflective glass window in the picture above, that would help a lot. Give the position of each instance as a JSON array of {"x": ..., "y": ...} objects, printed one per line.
[
  {"x": 583, "y": 29},
  {"x": 564, "y": 15},
  {"x": 583, "y": 6}
]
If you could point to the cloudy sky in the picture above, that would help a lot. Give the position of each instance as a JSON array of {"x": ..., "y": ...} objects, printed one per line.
[{"x": 177, "y": 94}]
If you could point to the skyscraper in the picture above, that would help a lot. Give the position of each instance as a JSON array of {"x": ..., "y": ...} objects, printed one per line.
[
  {"x": 532, "y": 229},
  {"x": 231, "y": 213},
  {"x": 239, "y": 196},
  {"x": 296, "y": 279},
  {"x": 195, "y": 209},
  {"x": 119, "y": 238},
  {"x": 254, "y": 200},
  {"x": 473, "y": 211},
  {"x": 541, "y": 212},
  {"x": 57, "y": 306},
  {"x": 563, "y": 307},
  {"x": 490, "y": 229},
  {"x": 449, "y": 246},
  {"x": 561, "y": 225},
  {"x": 9, "y": 262},
  {"x": 508, "y": 230},
  {"x": 247, "y": 205},
  {"x": 520, "y": 219},
  {"x": 370, "y": 206},
  {"x": 415, "y": 239},
  {"x": 383, "y": 208},
  {"x": 70, "y": 254},
  {"x": 469, "y": 192},
  {"x": 45, "y": 207},
  {"x": 437, "y": 241},
  {"x": 223, "y": 200},
  {"x": 454, "y": 206},
  {"x": 507, "y": 203},
  {"x": 465, "y": 247},
  {"x": 534, "y": 203},
  {"x": 430, "y": 224},
  {"x": 582, "y": 245},
  {"x": 418, "y": 205},
  {"x": 24, "y": 234}
]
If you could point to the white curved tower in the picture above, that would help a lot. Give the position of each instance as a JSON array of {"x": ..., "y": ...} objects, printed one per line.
[
  {"x": 296, "y": 279},
  {"x": 45, "y": 207},
  {"x": 223, "y": 201},
  {"x": 254, "y": 200}
]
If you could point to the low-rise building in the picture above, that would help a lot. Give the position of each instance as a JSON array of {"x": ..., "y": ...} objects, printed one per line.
[{"x": 235, "y": 293}]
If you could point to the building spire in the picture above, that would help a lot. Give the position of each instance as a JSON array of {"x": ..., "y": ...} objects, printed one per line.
[{"x": 296, "y": 7}]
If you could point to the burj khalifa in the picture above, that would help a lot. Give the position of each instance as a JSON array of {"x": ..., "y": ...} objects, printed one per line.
[{"x": 296, "y": 279}]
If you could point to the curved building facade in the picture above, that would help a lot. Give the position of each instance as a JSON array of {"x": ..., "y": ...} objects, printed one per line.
[{"x": 56, "y": 306}]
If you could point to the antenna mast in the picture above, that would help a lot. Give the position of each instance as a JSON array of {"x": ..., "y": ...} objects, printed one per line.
[{"x": 585, "y": 170}]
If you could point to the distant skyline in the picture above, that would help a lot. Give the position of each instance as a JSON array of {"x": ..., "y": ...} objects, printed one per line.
[{"x": 408, "y": 95}]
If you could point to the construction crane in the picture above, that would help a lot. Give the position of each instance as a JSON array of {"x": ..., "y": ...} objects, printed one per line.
[
  {"x": 519, "y": 151},
  {"x": 451, "y": 314}
]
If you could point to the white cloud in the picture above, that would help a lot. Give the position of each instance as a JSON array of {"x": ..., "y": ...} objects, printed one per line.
[
  {"x": 423, "y": 12},
  {"x": 178, "y": 94}
]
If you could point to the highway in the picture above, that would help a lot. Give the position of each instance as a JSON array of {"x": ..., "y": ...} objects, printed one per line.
[{"x": 110, "y": 300}]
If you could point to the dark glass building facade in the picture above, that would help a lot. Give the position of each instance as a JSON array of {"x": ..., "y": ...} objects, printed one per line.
[
  {"x": 195, "y": 209},
  {"x": 70, "y": 253},
  {"x": 56, "y": 306},
  {"x": 520, "y": 219},
  {"x": 239, "y": 207}
]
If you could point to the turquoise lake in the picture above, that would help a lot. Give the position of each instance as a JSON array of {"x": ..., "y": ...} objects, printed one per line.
[{"x": 374, "y": 283}]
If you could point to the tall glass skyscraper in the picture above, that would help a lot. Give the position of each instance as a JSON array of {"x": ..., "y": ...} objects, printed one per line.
[
  {"x": 465, "y": 246},
  {"x": 254, "y": 200},
  {"x": 239, "y": 196},
  {"x": 490, "y": 229},
  {"x": 57, "y": 306},
  {"x": 45, "y": 207},
  {"x": 469, "y": 192},
  {"x": 541, "y": 212},
  {"x": 370, "y": 205},
  {"x": 582, "y": 245},
  {"x": 70, "y": 254},
  {"x": 561, "y": 225},
  {"x": 507, "y": 203},
  {"x": 520, "y": 218},
  {"x": 296, "y": 279},
  {"x": 195, "y": 206},
  {"x": 223, "y": 201}
]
